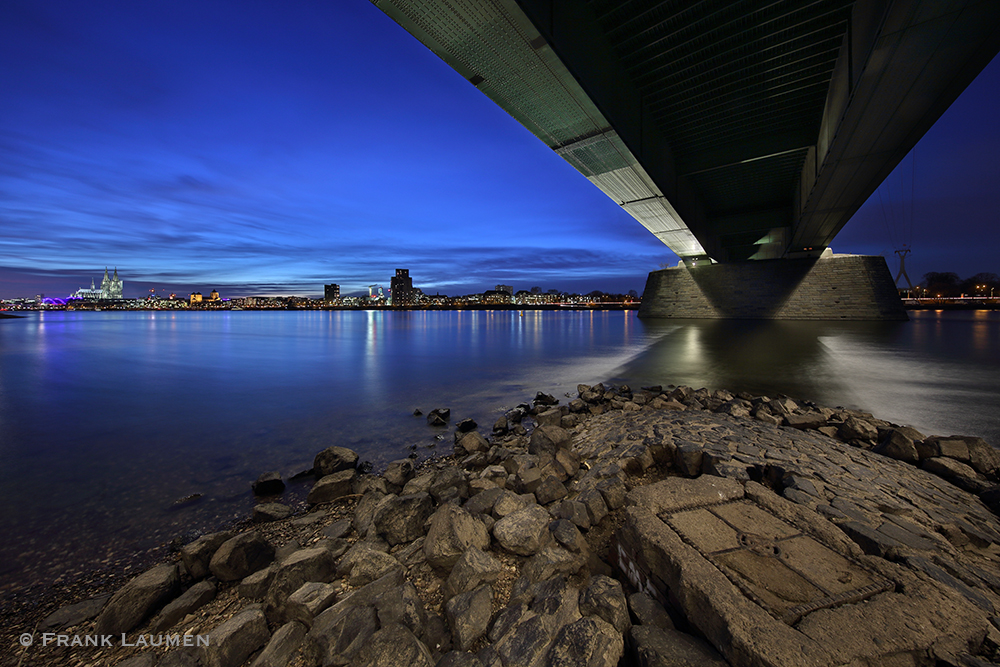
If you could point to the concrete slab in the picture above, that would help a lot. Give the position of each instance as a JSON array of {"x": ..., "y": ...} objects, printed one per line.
[{"x": 769, "y": 583}]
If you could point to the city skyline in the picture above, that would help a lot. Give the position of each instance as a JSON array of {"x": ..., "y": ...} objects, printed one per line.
[{"x": 264, "y": 151}]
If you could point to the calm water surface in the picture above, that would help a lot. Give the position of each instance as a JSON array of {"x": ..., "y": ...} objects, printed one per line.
[{"x": 107, "y": 418}]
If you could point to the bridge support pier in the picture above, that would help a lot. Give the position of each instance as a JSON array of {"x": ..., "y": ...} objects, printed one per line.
[{"x": 844, "y": 287}]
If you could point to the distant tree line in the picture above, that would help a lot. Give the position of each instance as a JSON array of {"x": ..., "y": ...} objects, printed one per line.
[{"x": 949, "y": 284}]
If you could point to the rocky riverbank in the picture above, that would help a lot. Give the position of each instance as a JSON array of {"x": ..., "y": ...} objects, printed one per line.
[{"x": 655, "y": 527}]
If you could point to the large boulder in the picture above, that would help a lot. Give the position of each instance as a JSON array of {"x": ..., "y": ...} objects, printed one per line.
[
  {"x": 548, "y": 439},
  {"x": 332, "y": 486},
  {"x": 230, "y": 644},
  {"x": 469, "y": 616},
  {"x": 896, "y": 445},
  {"x": 268, "y": 484},
  {"x": 525, "y": 531},
  {"x": 471, "y": 442},
  {"x": 198, "y": 554},
  {"x": 656, "y": 647},
  {"x": 400, "y": 519},
  {"x": 605, "y": 598},
  {"x": 587, "y": 642},
  {"x": 334, "y": 459},
  {"x": 193, "y": 598},
  {"x": 312, "y": 564},
  {"x": 138, "y": 599},
  {"x": 473, "y": 569},
  {"x": 453, "y": 530},
  {"x": 283, "y": 645},
  {"x": 399, "y": 472},
  {"x": 392, "y": 646},
  {"x": 241, "y": 556}
]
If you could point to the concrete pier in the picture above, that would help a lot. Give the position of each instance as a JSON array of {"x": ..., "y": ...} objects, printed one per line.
[{"x": 844, "y": 287}]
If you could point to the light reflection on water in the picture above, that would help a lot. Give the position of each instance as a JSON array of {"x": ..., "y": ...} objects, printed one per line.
[{"x": 106, "y": 418}]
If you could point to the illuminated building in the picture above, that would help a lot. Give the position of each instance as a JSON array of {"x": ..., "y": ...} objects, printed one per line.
[
  {"x": 401, "y": 288},
  {"x": 331, "y": 292}
]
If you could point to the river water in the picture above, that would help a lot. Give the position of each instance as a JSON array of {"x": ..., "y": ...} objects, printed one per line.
[{"x": 107, "y": 418}]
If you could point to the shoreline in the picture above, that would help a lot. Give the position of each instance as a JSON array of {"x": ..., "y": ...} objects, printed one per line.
[{"x": 616, "y": 434}]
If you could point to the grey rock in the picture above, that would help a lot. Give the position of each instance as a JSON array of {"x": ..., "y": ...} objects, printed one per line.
[
  {"x": 550, "y": 562},
  {"x": 613, "y": 491},
  {"x": 192, "y": 599},
  {"x": 74, "y": 614},
  {"x": 897, "y": 446},
  {"x": 550, "y": 490},
  {"x": 144, "y": 660},
  {"x": 268, "y": 484},
  {"x": 657, "y": 647},
  {"x": 450, "y": 483},
  {"x": 954, "y": 447},
  {"x": 575, "y": 512},
  {"x": 482, "y": 502},
  {"x": 688, "y": 458},
  {"x": 953, "y": 470},
  {"x": 138, "y": 599},
  {"x": 392, "y": 646},
  {"x": 265, "y": 512},
  {"x": 365, "y": 510},
  {"x": 337, "y": 529},
  {"x": 330, "y": 487},
  {"x": 982, "y": 457},
  {"x": 241, "y": 556},
  {"x": 438, "y": 416},
  {"x": 230, "y": 644},
  {"x": 473, "y": 569},
  {"x": 527, "y": 480},
  {"x": 500, "y": 425},
  {"x": 399, "y": 472},
  {"x": 334, "y": 459},
  {"x": 548, "y": 439},
  {"x": 593, "y": 500},
  {"x": 469, "y": 616},
  {"x": 509, "y": 502},
  {"x": 313, "y": 564},
  {"x": 309, "y": 601},
  {"x": 339, "y": 634},
  {"x": 453, "y": 530},
  {"x": 471, "y": 443},
  {"x": 197, "y": 555},
  {"x": 402, "y": 606},
  {"x": 525, "y": 644},
  {"x": 401, "y": 519},
  {"x": 647, "y": 611},
  {"x": 358, "y": 552},
  {"x": 525, "y": 531},
  {"x": 282, "y": 646},
  {"x": 459, "y": 659},
  {"x": 805, "y": 421},
  {"x": 550, "y": 417},
  {"x": 375, "y": 566},
  {"x": 588, "y": 642},
  {"x": 254, "y": 586},
  {"x": 184, "y": 657},
  {"x": 871, "y": 542},
  {"x": 605, "y": 598},
  {"x": 566, "y": 534},
  {"x": 857, "y": 429}
]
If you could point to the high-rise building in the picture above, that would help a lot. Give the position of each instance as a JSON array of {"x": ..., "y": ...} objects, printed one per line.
[
  {"x": 505, "y": 288},
  {"x": 331, "y": 292},
  {"x": 401, "y": 288}
]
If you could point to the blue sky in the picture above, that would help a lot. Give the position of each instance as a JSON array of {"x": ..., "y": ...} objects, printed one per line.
[{"x": 259, "y": 147}]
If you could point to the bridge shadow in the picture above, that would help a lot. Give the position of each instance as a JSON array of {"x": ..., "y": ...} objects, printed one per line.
[
  {"x": 751, "y": 290},
  {"x": 795, "y": 358}
]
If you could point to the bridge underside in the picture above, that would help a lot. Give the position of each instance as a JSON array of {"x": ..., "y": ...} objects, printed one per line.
[{"x": 731, "y": 129}]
